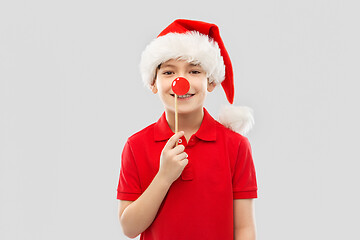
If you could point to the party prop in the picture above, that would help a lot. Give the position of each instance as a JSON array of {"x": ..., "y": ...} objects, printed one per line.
[{"x": 180, "y": 86}]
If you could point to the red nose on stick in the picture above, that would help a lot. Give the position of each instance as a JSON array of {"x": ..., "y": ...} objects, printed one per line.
[{"x": 180, "y": 86}]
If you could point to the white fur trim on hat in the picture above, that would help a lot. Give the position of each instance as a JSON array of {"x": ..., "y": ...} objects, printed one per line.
[
  {"x": 190, "y": 46},
  {"x": 240, "y": 119}
]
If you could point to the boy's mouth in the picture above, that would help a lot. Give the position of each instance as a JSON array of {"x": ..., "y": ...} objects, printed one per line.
[{"x": 183, "y": 96}]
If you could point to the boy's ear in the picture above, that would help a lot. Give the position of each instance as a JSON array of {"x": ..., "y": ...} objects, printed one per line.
[
  {"x": 211, "y": 86},
  {"x": 154, "y": 88}
]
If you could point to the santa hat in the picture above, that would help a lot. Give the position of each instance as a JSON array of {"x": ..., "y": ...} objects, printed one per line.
[{"x": 198, "y": 42}]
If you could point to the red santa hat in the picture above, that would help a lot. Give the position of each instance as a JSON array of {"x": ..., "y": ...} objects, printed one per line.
[{"x": 198, "y": 42}]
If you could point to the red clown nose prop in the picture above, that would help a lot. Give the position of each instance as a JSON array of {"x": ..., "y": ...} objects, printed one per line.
[{"x": 180, "y": 86}]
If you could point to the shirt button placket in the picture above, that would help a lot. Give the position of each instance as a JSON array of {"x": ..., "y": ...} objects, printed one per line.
[
  {"x": 191, "y": 141},
  {"x": 182, "y": 141}
]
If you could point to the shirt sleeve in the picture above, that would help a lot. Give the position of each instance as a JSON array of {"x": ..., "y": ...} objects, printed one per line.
[
  {"x": 244, "y": 178},
  {"x": 129, "y": 187}
]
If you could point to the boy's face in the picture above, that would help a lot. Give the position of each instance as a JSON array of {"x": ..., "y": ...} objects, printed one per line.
[{"x": 196, "y": 76}]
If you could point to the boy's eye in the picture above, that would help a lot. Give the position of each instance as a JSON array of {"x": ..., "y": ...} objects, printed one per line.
[
  {"x": 167, "y": 73},
  {"x": 195, "y": 72}
]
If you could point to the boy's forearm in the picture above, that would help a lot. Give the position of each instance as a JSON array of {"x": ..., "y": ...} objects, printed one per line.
[
  {"x": 139, "y": 215},
  {"x": 245, "y": 234}
]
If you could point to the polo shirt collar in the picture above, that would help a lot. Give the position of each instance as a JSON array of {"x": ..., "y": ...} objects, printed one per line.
[{"x": 206, "y": 132}]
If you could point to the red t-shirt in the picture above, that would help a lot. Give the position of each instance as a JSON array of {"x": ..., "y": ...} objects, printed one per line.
[{"x": 199, "y": 204}]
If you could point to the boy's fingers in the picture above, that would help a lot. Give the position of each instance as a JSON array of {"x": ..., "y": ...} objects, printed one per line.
[
  {"x": 181, "y": 156},
  {"x": 178, "y": 149},
  {"x": 184, "y": 162},
  {"x": 172, "y": 141}
]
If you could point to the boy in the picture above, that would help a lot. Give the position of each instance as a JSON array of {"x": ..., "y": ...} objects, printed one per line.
[{"x": 203, "y": 187}]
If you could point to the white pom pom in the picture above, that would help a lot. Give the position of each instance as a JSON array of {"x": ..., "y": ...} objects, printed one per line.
[{"x": 240, "y": 119}]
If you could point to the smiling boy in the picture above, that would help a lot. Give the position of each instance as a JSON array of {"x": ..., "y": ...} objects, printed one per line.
[
  {"x": 202, "y": 188},
  {"x": 190, "y": 108}
]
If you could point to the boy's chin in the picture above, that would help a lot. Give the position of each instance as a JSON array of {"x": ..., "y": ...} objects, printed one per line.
[{"x": 184, "y": 110}]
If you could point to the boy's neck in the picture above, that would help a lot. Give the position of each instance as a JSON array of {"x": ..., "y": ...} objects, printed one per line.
[{"x": 189, "y": 123}]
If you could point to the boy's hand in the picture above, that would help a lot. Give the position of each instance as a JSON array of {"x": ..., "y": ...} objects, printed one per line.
[{"x": 173, "y": 159}]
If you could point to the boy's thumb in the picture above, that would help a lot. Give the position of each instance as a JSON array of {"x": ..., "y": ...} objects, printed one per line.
[{"x": 174, "y": 139}]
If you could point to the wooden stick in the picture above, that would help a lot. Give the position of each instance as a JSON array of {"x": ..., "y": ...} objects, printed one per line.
[{"x": 176, "y": 117}]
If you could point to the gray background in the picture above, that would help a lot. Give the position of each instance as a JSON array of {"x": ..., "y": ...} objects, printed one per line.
[{"x": 71, "y": 94}]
